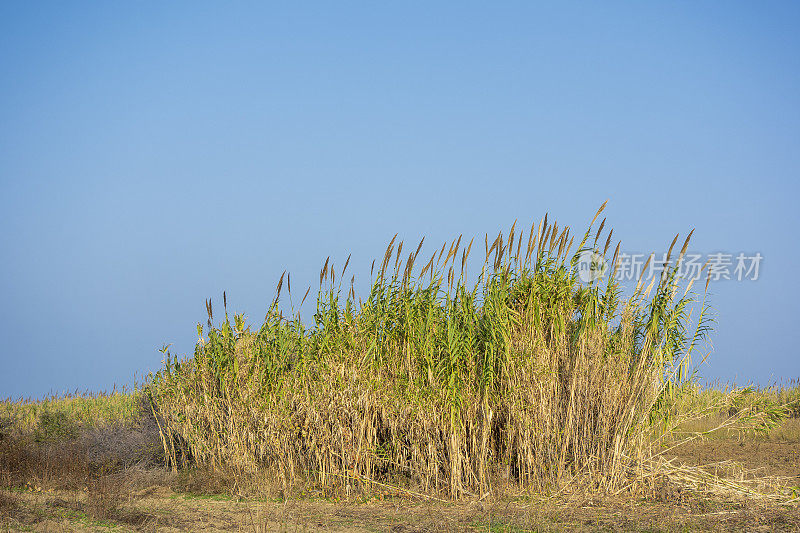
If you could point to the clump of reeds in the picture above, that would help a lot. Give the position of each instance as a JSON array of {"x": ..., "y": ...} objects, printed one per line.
[{"x": 526, "y": 376}]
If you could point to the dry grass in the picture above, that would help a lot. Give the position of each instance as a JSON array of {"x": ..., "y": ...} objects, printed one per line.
[
  {"x": 94, "y": 472},
  {"x": 87, "y": 457},
  {"x": 672, "y": 509},
  {"x": 105, "y": 494},
  {"x": 86, "y": 495}
]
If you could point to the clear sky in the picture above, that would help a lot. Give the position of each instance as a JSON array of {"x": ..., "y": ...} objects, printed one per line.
[{"x": 153, "y": 155}]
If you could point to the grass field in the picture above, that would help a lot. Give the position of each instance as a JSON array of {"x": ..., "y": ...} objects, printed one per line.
[
  {"x": 57, "y": 484},
  {"x": 524, "y": 399}
]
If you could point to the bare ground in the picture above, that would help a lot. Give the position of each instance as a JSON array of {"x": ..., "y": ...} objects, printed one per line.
[
  {"x": 151, "y": 499},
  {"x": 158, "y": 508}
]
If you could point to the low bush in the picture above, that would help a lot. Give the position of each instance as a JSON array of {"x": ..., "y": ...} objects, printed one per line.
[{"x": 54, "y": 426}]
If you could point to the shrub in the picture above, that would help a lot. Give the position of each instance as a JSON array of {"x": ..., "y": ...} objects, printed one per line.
[{"x": 54, "y": 426}]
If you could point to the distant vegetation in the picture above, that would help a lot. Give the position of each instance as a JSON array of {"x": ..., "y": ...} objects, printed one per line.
[
  {"x": 527, "y": 376},
  {"x": 59, "y": 417}
]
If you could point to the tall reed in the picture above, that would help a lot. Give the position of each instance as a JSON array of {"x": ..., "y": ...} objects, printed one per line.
[{"x": 526, "y": 376}]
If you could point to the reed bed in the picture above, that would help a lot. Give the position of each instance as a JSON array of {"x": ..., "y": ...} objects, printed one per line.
[
  {"x": 786, "y": 393},
  {"x": 69, "y": 413},
  {"x": 526, "y": 377}
]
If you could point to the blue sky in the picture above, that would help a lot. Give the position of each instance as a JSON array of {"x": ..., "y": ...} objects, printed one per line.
[{"x": 152, "y": 156}]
